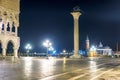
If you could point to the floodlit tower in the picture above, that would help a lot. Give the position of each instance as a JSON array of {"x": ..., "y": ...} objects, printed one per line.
[
  {"x": 9, "y": 23},
  {"x": 117, "y": 48},
  {"x": 87, "y": 44},
  {"x": 76, "y": 14}
]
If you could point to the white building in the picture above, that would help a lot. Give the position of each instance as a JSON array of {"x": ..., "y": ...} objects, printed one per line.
[{"x": 101, "y": 50}]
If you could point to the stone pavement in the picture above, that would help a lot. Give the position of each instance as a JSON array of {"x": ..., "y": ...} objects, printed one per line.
[
  {"x": 28, "y": 68},
  {"x": 112, "y": 75}
]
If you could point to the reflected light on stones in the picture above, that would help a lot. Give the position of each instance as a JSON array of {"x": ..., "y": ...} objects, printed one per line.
[
  {"x": 47, "y": 66},
  {"x": 93, "y": 67},
  {"x": 27, "y": 66}
]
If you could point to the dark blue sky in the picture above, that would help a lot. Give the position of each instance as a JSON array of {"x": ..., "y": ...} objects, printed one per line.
[{"x": 51, "y": 19}]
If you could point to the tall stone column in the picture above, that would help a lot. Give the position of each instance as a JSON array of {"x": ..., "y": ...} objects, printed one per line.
[{"x": 76, "y": 15}]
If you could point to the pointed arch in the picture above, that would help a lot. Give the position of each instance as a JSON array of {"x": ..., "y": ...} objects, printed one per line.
[
  {"x": 13, "y": 28},
  {"x": 10, "y": 46},
  {"x": 8, "y": 26}
]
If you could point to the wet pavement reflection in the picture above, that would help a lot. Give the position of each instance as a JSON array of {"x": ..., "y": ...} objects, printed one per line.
[{"x": 36, "y": 68}]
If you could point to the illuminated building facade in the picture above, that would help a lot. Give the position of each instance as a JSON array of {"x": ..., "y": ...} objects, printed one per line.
[
  {"x": 96, "y": 51},
  {"x": 9, "y": 23},
  {"x": 104, "y": 51}
]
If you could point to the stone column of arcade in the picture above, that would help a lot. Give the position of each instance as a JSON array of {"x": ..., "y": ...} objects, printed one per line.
[
  {"x": 76, "y": 14},
  {"x": 16, "y": 28},
  {"x": 3, "y": 52},
  {"x": 5, "y": 27},
  {"x": 16, "y": 47},
  {"x": 10, "y": 25},
  {"x": 15, "y": 54}
]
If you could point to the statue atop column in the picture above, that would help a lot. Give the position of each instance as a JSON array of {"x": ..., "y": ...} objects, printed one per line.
[{"x": 76, "y": 9}]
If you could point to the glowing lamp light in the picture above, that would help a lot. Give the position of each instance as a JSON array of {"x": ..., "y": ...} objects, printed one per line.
[
  {"x": 51, "y": 48},
  {"x": 93, "y": 48},
  {"x": 47, "y": 43},
  {"x": 54, "y": 51},
  {"x": 64, "y": 51},
  {"x": 28, "y": 46},
  {"x": 93, "y": 52}
]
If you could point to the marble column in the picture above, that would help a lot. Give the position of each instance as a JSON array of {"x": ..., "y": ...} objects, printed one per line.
[{"x": 76, "y": 16}]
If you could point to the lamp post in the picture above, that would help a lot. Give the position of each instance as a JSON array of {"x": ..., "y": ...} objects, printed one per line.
[
  {"x": 48, "y": 45},
  {"x": 64, "y": 52},
  {"x": 28, "y": 47},
  {"x": 51, "y": 48}
]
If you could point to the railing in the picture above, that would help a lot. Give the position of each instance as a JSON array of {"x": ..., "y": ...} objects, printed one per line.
[{"x": 7, "y": 33}]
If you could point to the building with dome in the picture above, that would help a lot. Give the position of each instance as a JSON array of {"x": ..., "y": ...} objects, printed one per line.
[{"x": 96, "y": 51}]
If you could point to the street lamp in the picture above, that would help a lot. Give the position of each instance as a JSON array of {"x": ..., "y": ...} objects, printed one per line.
[
  {"x": 28, "y": 47},
  {"x": 48, "y": 45},
  {"x": 64, "y": 52},
  {"x": 51, "y": 48}
]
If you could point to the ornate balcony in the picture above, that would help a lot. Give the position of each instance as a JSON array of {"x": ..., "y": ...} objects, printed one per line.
[{"x": 2, "y": 32}]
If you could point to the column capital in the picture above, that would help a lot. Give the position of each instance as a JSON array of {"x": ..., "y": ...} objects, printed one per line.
[
  {"x": 76, "y": 15},
  {"x": 4, "y": 47},
  {"x": 15, "y": 48}
]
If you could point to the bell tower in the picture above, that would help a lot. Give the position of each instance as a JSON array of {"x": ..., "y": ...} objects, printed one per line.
[
  {"x": 87, "y": 44},
  {"x": 9, "y": 20}
]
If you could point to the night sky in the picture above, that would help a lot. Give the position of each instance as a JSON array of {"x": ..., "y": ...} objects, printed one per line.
[{"x": 51, "y": 19}]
